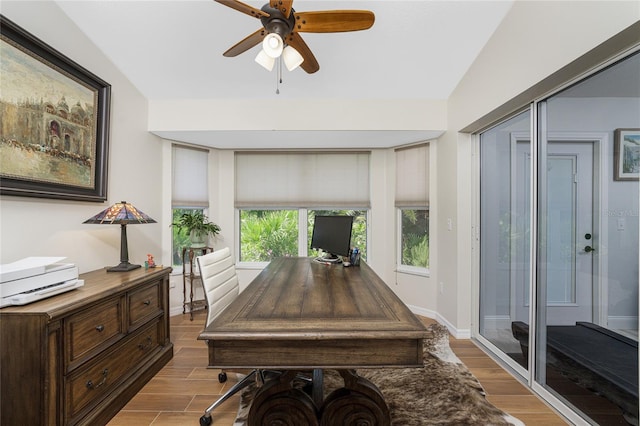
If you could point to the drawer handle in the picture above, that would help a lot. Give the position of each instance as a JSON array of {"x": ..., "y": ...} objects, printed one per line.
[
  {"x": 100, "y": 328},
  {"x": 147, "y": 345},
  {"x": 147, "y": 302},
  {"x": 90, "y": 384}
]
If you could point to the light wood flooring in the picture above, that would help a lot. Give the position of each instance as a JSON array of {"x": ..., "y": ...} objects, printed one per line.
[{"x": 179, "y": 393}]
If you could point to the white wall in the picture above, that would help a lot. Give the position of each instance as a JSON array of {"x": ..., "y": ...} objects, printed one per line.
[
  {"x": 534, "y": 40},
  {"x": 39, "y": 227},
  {"x": 301, "y": 114}
]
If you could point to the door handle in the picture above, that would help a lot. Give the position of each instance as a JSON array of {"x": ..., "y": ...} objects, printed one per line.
[{"x": 589, "y": 249}]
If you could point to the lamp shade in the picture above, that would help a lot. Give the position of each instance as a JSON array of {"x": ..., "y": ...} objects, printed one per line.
[
  {"x": 265, "y": 60},
  {"x": 122, "y": 214},
  {"x": 273, "y": 45},
  {"x": 292, "y": 58}
]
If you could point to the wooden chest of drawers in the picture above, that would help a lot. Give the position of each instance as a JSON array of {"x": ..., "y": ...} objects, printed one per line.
[{"x": 79, "y": 357}]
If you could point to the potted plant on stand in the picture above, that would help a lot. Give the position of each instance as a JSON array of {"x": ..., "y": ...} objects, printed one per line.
[{"x": 197, "y": 225}]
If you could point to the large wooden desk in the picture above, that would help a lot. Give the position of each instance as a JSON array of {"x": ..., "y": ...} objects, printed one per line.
[{"x": 302, "y": 315}]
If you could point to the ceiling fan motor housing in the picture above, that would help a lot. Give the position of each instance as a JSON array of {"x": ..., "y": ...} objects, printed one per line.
[{"x": 276, "y": 22}]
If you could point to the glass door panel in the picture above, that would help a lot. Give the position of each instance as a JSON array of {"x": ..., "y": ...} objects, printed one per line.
[
  {"x": 505, "y": 162},
  {"x": 586, "y": 294}
]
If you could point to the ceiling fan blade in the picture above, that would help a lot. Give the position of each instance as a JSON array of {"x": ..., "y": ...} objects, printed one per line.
[
  {"x": 310, "y": 64},
  {"x": 246, "y": 44},
  {"x": 333, "y": 21},
  {"x": 244, "y": 8},
  {"x": 283, "y": 6}
]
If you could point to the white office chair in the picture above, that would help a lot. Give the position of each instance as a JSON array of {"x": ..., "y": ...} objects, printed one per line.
[{"x": 221, "y": 287}]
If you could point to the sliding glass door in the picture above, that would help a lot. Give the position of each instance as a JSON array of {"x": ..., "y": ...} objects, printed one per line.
[{"x": 559, "y": 238}]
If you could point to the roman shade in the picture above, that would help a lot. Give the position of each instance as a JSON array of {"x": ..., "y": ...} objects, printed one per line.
[
  {"x": 189, "y": 177},
  {"x": 412, "y": 176},
  {"x": 302, "y": 179}
]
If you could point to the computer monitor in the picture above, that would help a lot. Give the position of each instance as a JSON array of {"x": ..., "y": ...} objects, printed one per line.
[{"x": 332, "y": 235}]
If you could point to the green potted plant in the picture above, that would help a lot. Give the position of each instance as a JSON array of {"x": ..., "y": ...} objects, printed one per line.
[{"x": 197, "y": 225}]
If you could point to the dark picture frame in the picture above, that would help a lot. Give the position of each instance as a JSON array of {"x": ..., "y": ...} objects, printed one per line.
[
  {"x": 626, "y": 155},
  {"x": 54, "y": 122}
]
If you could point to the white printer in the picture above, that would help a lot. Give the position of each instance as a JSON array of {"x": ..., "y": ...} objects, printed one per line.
[{"x": 35, "y": 278}]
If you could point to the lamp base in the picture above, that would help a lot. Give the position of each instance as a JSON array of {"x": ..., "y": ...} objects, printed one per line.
[{"x": 123, "y": 267}]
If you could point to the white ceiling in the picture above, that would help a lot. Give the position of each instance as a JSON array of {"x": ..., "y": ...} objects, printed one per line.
[{"x": 172, "y": 49}]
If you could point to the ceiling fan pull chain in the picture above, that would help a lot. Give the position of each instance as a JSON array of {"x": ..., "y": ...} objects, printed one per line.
[{"x": 278, "y": 75}]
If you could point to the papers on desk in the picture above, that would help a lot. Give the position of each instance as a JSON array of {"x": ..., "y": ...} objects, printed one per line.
[{"x": 34, "y": 278}]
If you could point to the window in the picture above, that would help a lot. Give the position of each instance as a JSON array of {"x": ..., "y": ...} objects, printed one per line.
[
  {"x": 277, "y": 192},
  {"x": 266, "y": 234},
  {"x": 412, "y": 202},
  {"x": 189, "y": 192},
  {"x": 414, "y": 237}
]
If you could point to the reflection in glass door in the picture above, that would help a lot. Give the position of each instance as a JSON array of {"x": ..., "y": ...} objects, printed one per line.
[
  {"x": 569, "y": 240},
  {"x": 505, "y": 169}
]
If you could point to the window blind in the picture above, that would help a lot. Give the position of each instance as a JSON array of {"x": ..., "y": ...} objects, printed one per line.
[
  {"x": 302, "y": 179},
  {"x": 412, "y": 176},
  {"x": 189, "y": 177}
]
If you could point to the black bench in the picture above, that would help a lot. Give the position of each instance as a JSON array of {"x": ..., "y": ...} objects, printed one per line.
[{"x": 595, "y": 358}]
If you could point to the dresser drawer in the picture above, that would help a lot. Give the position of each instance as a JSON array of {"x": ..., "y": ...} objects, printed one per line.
[
  {"x": 91, "y": 329},
  {"x": 88, "y": 385},
  {"x": 144, "y": 304}
]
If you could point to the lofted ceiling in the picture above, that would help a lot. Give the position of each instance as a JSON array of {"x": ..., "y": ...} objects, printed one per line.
[{"x": 172, "y": 50}]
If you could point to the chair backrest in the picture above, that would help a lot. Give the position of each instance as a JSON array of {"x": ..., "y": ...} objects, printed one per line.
[{"x": 219, "y": 279}]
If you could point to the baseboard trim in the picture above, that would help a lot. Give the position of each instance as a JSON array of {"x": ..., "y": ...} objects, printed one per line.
[
  {"x": 175, "y": 310},
  {"x": 461, "y": 333},
  {"x": 622, "y": 322},
  {"x": 497, "y": 322}
]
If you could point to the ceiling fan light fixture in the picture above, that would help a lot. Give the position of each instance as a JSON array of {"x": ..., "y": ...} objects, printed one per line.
[
  {"x": 265, "y": 60},
  {"x": 292, "y": 58},
  {"x": 273, "y": 45}
]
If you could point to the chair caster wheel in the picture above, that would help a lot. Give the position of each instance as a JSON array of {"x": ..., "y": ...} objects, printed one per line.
[
  {"x": 206, "y": 420},
  {"x": 222, "y": 377}
]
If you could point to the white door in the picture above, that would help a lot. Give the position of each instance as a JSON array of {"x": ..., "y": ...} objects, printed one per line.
[{"x": 570, "y": 237}]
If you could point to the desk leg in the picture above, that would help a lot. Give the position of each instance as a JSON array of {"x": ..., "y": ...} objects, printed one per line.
[
  {"x": 317, "y": 388},
  {"x": 359, "y": 402},
  {"x": 277, "y": 403}
]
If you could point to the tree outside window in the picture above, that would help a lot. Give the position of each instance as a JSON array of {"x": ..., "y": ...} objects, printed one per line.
[
  {"x": 266, "y": 234},
  {"x": 414, "y": 250}
]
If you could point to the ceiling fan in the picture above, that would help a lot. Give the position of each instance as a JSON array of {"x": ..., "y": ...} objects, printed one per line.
[{"x": 282, "y": 25}]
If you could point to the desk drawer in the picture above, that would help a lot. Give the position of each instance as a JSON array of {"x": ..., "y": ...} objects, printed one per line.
[
  {"x": 144, "y": 304},
  {"x": 89, "y": 385},
  {"x": 92, "y": 328}
]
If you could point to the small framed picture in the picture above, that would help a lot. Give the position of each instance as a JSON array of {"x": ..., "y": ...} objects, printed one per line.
[{"x": 626, "y": 154}]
